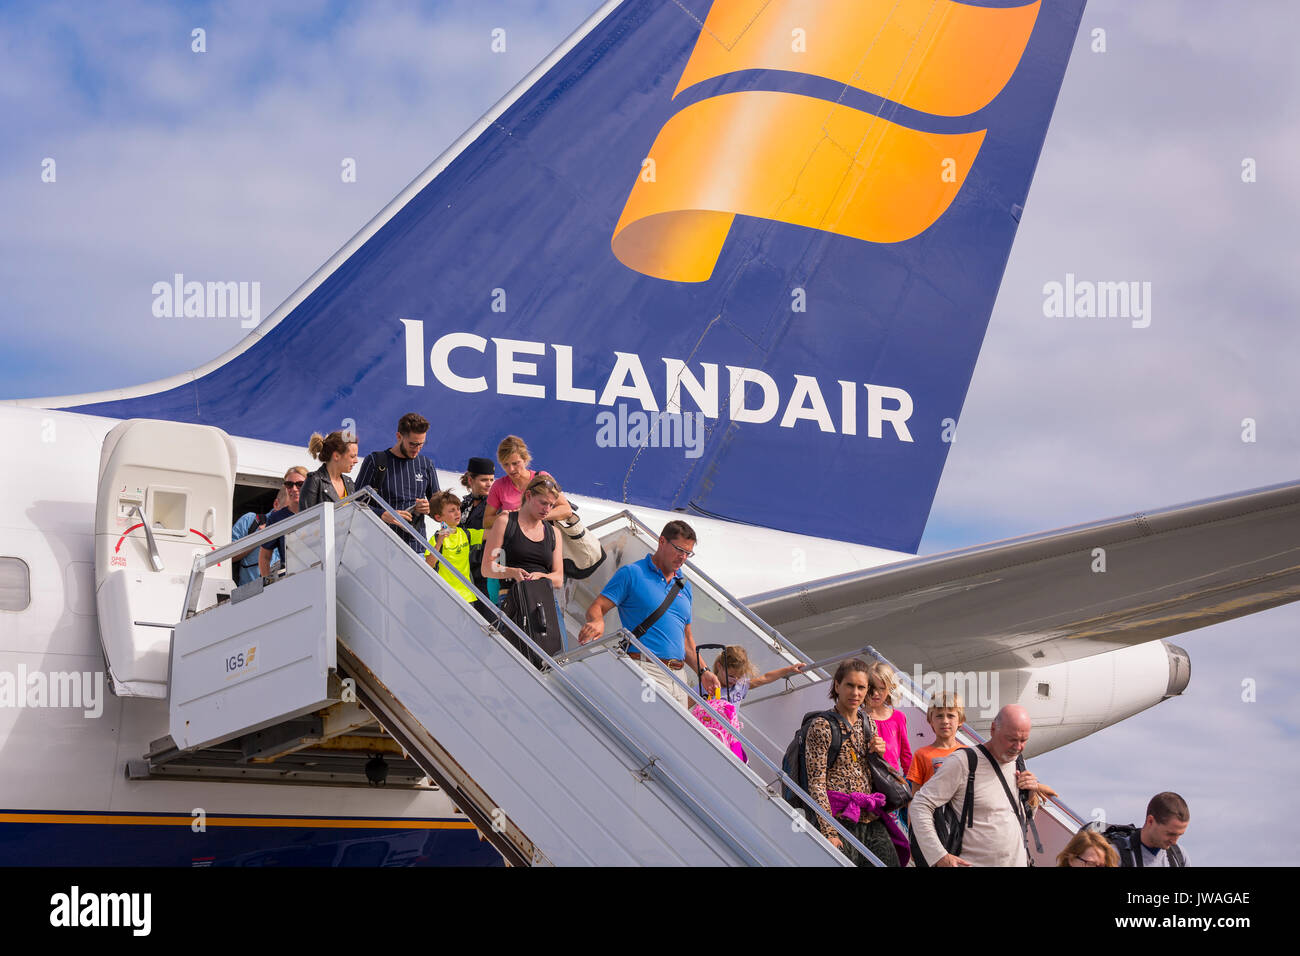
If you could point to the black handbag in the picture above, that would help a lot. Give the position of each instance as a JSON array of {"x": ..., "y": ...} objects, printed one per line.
[{"x": 885, "y": 779}]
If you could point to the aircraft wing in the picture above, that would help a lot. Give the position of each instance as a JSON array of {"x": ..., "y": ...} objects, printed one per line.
[{"x": 1053, "y": 597}]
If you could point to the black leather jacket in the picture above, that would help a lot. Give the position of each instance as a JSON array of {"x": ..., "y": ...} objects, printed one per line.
[{"x": 317, "y": 487}]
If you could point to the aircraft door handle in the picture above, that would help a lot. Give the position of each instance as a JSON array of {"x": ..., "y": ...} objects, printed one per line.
[{"x": 155, "y": 558}]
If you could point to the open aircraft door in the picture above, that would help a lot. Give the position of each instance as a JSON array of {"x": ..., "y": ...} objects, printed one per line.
[{"x": 165, "y": 492}]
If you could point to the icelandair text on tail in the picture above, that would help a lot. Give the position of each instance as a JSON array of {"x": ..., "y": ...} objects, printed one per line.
[{"x": 751, "y": 394}]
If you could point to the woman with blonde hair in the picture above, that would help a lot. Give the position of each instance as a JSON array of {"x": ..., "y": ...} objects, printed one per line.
[
  {"x": 507, "y": 491},
  {"x": 338, "y": 455},
  {"x": 891, "y": 724},
  {"x": 891, "y": 741},
  {"x": 1088, "y": 848},
  {"x": 738, "y": 675},
  {"x": 525, "y": 548}
]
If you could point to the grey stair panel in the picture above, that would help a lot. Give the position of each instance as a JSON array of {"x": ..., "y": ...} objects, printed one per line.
[{"x": 576, "y": 794}]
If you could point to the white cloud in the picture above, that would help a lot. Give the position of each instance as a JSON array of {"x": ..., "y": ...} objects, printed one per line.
[{"x": 231, "y": 158}]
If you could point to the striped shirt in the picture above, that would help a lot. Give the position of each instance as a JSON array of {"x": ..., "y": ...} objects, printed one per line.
[{"x": 400, "y": 483}]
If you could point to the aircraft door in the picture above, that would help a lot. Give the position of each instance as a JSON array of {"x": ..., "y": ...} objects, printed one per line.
[{"x": 165, "y": 492}]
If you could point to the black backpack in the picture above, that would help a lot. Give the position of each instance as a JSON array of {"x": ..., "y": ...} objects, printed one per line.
[
  {"x": 948, "y": 826},
  {"x": 796, "y": 767},
  {"x": 1124, "y": 836}
]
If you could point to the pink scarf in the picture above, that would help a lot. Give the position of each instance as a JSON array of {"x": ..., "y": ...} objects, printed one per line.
[{"x": 850, "y": 806}]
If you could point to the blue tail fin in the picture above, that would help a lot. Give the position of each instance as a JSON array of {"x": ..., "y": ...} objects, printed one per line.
[{"x": 782, "y": 224}]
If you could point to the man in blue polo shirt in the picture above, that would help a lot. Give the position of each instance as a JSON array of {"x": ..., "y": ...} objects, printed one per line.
[{"x": 637, "y": 590}]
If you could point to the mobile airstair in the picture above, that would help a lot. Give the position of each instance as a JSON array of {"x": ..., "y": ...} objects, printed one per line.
[{"x": 580, "y": 762}]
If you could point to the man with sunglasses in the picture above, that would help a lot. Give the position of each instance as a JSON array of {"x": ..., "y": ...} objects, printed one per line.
[
  {"x": 273, "y": 551},
  {"x": 639, "y": 590}
]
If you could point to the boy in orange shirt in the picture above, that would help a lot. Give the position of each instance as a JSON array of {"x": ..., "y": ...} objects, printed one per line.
[{"x": 945, "y": 714}]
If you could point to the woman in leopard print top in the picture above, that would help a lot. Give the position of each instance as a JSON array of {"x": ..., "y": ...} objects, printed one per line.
[{"x": 850, "y": 773}]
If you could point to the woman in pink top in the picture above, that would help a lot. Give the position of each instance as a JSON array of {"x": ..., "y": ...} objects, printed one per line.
[
  {"x": 507, "y": 491},
  {"x": 891, "y": 726}
]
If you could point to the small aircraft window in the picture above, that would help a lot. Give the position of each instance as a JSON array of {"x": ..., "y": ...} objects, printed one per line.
[
  {"x": 169, "y": 511},
  {"x": 15, "y": 585}
]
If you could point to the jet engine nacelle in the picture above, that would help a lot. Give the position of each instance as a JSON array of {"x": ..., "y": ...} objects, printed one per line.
[{"x": 1072, "y": 700}]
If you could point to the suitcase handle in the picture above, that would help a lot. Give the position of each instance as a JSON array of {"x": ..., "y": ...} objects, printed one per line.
[{"x": 699, "y": 657}]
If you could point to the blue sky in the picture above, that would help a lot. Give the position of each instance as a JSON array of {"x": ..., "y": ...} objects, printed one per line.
[{"x": 226, "y": 164}]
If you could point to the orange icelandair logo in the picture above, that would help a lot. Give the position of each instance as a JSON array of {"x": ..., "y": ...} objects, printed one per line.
[{"x": 811, "y": 162}]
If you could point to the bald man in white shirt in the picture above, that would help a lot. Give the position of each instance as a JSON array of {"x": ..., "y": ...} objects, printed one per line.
[{"x": 997, "y": 837}]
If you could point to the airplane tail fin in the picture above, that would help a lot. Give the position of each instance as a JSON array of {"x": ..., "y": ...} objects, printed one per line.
[{"x": 706, "y": 252}]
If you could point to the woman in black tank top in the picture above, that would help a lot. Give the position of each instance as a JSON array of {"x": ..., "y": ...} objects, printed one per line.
[{"x": 525, "y": 547}]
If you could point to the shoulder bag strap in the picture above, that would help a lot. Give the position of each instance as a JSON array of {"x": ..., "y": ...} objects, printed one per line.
[
  {"x": 967, "y": 818},
  {"x": 1024, "y": 801},
  {"x": 837, "y": 737},
  {"x": 1015, "y": 806},
  {"x": 380, "y": 481},
  {"x": 640, "y": 629},
  {"x": 968, "y": 807}
]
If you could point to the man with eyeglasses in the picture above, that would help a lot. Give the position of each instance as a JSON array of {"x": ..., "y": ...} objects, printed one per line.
[
  {"x": 273, "y": 551},
  {"x": 639, "y": 590},
  {"x": 404, "y": 477}
]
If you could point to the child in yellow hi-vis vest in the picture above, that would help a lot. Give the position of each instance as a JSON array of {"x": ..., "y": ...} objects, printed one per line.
[{"x": 451, "y": 544}]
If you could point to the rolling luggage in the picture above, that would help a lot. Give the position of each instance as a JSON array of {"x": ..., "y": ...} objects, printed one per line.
[{"x": 531, "y": 605}]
